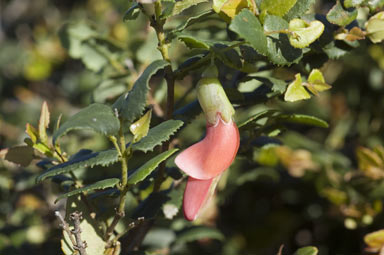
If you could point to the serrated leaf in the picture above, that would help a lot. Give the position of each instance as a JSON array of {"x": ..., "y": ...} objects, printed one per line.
[
  {"x": 102, "y": 158},
  {"x": 352, "y": 35},
  {"x": 158, "y": 135},
  {"x": 316, "y": 82},
  {"x": 339, "y": 16},
  {"x": 97, "y": 117},
  {"x": 146, "y": 169},
  {"x": 44, "y": 123},
  {"x": 276, "y": 7},
  {"x": 132, "y": 105},
  {"x": 198, "y": 233},
  {"x": 375, "y": 27},
  {"x": 303, "y": 33},
  {"x": 296, "y": 90},
  {"x": 280, "y": 51},
  {"x": 300, "y": 7},
  {"x": 140, "y": 128},
  {"x": 304, "y": 119},
  {"x": 132, "y": 13},
  {"x": 104, "y": 184},
  {"x": 309, "y": 250},
  {"x": 247, "y": 26}
]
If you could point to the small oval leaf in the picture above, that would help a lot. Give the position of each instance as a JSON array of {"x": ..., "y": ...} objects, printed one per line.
[
  {"x": 296, "y": 91},
  {"x": 303, "y": 33}
]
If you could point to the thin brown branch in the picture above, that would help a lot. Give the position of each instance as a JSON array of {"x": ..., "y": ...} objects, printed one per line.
[
  {"x": 80, "y": 245},
  {"x": 65, "y": 226}
]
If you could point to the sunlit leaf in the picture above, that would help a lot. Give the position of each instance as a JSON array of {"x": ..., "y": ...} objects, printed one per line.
[
  {"x": 316, "y": 82},
  {"x": 146, "y": 169},
  {"x": 296, "y": 90},
  {"x": 352, "y": 35},
  {"x": 140, "y": 128},
  {"x": 300, "y": 7},
  {"x": 339, "y": 16},
  {"x": 375, "y": 239},
  {"x": 104, "y": 184},
  {"x": 353, "y": 3},
  {"x": 97, "y": 117},
  {"x": 43, "y": 123},
  {"x": 229, "y": 8},
  {"x": 303, "y": 33},
  {"x": 32, "y": 132},
  {"x": 132, "y": 13},
  {"x": 276, "y": 7},
  {"x": 375, "y": 27},
  {"x": 309, "y": 250},
  {"x": 303, "y": 119}
]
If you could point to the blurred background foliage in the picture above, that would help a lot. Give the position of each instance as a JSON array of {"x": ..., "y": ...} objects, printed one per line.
[{"x": 308, "y": 186}]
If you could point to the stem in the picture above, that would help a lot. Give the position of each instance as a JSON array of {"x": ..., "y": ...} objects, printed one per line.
[
  {"x": 124, "y": 154},
  {"x": 81, "y": 245}
]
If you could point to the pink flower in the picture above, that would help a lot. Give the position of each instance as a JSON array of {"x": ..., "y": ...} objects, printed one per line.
[{"x": 206, "y": 160}]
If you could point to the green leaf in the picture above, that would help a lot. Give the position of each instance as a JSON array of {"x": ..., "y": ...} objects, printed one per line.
[
  {"x": 339, "y": 16},
  {"x": 91, "y": 230},
  {"x": 146, "y": 169},
  {"x": 193, "y": 42},
  {"x": 140, "y": 128},
  {"x": 352, "y": 3},
  {"x": 256, "y": 117},
  {"x": 104, "y": 184},
  {"x": 151, "y": 206},
  {"x": 97, "y": 117},
  {"x": 227, "y": 9},
  {"x": 304, "y": 119},
  {"x": 280, "y": 51},
  {"x": 309, "y": 250},
  {"x": 190, "y": 21},
  {"x": 44, "y": 123},
  {"x": 109, "y": 89},
  {"x": 20, "y": 155},
  {"x": 296, "y": 91},
  {"x": 301, "y": 7},
  {"x": 247, "y": 26},
  {"x": 303, "y": 33},
  {"x": 158, "y": 135},
  {"x": 180, "y": 6},
  {"x": 132, "y": 105},
  {"x": 132, "y": 13},
  {"x": 375, "y": 27},
  {"x": 102, "y": 158},
  {"x": 316, "y": 82},
  {"x": 197, "y": 233},
  {"x": 276, "y": 7}
]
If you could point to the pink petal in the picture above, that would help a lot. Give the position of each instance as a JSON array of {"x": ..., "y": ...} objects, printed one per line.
[
  {"x": 212, "y": 155},
  {"x": 195, "y": 195}
]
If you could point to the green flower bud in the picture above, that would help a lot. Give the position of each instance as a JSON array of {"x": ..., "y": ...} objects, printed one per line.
[{"x": 213, "y": 100}]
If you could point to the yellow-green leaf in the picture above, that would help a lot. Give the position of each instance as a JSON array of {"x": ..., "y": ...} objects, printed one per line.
[
  {"x": 316, "y": 82},
  {"x": 296, "y": 91},
  {"x": 375, "y": 27},
  {"x": 309, "y": 250},
  {"x": 140, "y": 128},
  {"x": 375, "y": 239},
  {"x": 229, "y": 8},
  {"x": 303, "y": 33},
  {"x": 43, "y": 123},
  {"x": 32, "y": 132},
  {"x": 276, "y": 7}
]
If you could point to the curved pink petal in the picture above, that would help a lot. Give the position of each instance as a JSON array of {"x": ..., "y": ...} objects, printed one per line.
[
  {"x": 195, "y": 195},
  {"x": 212, "y": 155}
]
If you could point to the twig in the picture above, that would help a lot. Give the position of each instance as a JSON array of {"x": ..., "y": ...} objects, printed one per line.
[
  {"x": 80, "y": 245},
  {"x": 65, "y": 227}
]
